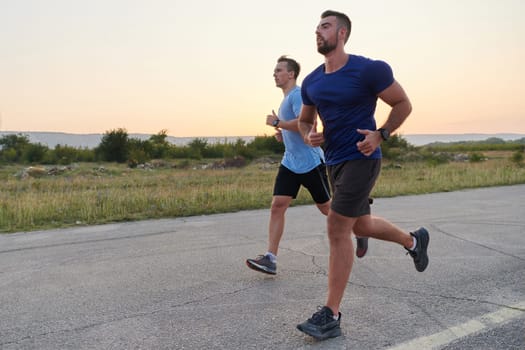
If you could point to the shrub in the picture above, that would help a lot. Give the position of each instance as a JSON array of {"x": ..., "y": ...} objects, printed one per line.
[
  {"x": 34, "y": 153},
  {"x": 114, "y": 146},
  {"x": 517, "y": 157},
  {"x": 476, "y": 157}
]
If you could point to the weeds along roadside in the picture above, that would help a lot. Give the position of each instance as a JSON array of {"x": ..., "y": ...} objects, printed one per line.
[{"x": 89, "y": 193}]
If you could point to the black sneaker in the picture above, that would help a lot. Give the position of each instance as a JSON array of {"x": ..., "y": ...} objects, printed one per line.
[
  {"x": 420, "y": 253},
  {"x": 262, "y": 263},
  {"x": 362, "y": 246},
  {"x": 362, "y": 242},
  {"x": 322, "y": 324}
]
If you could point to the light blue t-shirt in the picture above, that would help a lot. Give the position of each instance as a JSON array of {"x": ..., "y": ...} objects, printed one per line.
[{"x": 298, "y": 156}]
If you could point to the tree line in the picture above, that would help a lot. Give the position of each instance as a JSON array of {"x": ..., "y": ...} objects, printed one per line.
[{"x": 117, "y": 146}]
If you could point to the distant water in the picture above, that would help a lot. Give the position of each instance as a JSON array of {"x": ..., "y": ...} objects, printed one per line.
[{"x": 51, "y": 139}]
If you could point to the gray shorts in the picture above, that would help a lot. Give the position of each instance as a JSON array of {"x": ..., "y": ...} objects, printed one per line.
[{"x": 352, "y": 181}]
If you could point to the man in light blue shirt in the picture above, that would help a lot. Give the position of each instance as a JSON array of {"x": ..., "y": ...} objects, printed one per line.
[{"x": 301, "y": 164}]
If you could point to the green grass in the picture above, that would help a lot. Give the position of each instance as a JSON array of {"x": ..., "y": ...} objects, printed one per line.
[
  {"x": 418, "y": 178},
  {"x": 88, "y": 194}
]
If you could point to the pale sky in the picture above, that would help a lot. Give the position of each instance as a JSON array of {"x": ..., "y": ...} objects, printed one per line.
[{"x": 204, "y": 68}]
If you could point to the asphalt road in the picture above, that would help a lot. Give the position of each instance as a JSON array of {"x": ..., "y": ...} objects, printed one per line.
[{"x": 183, "y": 284}]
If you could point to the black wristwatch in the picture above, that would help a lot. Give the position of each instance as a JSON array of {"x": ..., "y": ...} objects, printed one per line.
[
  {"x": 275, "y": 122},
  {"x": 385, "y": 134}
]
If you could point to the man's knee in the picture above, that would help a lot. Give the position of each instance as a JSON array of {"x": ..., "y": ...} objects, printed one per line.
[
  {"x": 339, "y": 226},
  {"x": 363, "y": 226},
  {"x": 280, "y": 204},
  {"x": 324, "y": 207}
]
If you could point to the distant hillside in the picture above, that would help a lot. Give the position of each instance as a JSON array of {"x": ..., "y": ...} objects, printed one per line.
[
  {"x": 425, "y": 139},
  {"x": 51, "y": 139}
]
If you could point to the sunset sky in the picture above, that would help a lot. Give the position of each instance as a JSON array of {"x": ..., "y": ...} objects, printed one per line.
[{"x": 204, "y": 68}]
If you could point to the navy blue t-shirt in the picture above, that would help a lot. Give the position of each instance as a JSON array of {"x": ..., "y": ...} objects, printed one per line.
[{"x": 346, "y": 101}]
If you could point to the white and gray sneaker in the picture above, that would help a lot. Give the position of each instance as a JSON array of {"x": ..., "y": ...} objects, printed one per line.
[{"x": 262, "y": 263}]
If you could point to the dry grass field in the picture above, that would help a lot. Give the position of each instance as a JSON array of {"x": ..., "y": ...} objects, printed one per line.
[{"x": 86, "y": 194}]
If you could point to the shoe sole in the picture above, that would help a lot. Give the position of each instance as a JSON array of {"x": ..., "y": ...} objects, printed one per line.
[
  {"x": 259, "y": 268},
  {"x": 361, "y": 251},
  {"x": 425, "y": 240},
  {"x": 321, "y": 336}
]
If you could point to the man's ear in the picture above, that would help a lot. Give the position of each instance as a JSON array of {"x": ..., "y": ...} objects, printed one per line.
[{"x": 342, "y": 31}]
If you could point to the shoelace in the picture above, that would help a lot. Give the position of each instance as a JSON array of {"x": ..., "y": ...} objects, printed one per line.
[
  {"x": 319, "y": 316},
  {"x": 413, "y": 254}
]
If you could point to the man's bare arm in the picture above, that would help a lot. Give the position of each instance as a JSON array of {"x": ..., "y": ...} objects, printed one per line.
[
  {"x": 307, "y": 123},
  {"x": 395, "y": 97}
]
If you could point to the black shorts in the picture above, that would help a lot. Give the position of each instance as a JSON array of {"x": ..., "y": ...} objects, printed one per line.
[
  {"x": 287, "y": 183},
  {"x": 352, "y": 181}
]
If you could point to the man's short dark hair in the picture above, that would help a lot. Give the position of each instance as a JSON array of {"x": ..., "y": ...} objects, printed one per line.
[
  {"x": 342, "y": 21},
  {"x": 291, "y": 65}
]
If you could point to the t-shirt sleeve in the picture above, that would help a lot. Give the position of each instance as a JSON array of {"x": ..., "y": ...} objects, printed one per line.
[
  {"x": 304, "y": 95},
  {"x": 297, "y": 103},
  {"x": 378, "y": 76}
]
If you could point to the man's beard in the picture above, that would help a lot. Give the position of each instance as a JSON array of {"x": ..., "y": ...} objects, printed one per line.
[{"x": 326, "y": 47}]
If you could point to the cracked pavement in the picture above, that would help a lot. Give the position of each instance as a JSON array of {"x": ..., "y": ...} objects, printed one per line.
[{"x": 182, "y": 283}]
